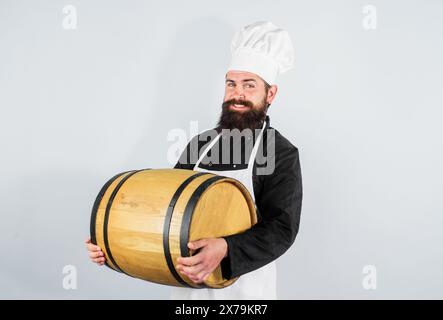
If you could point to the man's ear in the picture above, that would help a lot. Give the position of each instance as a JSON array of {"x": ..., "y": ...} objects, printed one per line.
[{"x": 272, "y": 92}]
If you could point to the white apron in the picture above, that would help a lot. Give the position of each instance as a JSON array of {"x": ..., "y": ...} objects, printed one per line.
[{"x": 255, "y": 285}]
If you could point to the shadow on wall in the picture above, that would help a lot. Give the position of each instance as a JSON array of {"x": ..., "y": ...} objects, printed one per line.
[
  {"x": 48, "y": 224},
  {"x": 187, "y": 87},
  {"x": 48, "y": 230}
]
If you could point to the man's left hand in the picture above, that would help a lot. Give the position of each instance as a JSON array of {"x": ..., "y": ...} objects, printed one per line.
[{"x": 200, "y": 266}]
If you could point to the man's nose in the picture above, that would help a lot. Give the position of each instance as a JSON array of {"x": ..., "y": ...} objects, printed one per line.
[{"x": 239, "y": 93}]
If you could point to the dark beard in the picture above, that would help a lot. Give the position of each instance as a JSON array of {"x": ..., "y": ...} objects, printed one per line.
[{"x": 249, "y": 119}]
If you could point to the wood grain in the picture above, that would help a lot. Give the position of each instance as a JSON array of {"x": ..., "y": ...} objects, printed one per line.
[{"x": 137, "y": 216}]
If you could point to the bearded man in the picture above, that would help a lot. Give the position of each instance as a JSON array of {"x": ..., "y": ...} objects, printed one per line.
[
  {"x": 273, "y": 176},
  {"x": 245, "y": 147}
]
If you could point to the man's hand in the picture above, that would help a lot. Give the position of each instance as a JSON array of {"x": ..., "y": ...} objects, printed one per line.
[
  {"x": 200, "y": 266},
  {"x": 95, "y": 253}
]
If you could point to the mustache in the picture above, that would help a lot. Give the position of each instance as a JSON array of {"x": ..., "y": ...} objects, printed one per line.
[
  {"x": 251, "y": 118},
  {"x": 246, "y": 103}
]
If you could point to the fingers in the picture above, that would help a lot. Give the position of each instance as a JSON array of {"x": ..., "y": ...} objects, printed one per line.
[
  {"x": 197, "y": 273},
  {"x": 97, "y": 257},
  {"x": 200, "y": 277},
  {"x": 197, "y": 258},
  {"x": 99, "y": 261},
  {"x": 93, "y": 247},
  {"x": 197, "y": 244},
  {"x": 90, "y": 246},
  {"x": 191, "y": 261},
  {"x": 190, "y": 270},
  {"x": 195, "y": 267},
  {"x": 95, "y": 254},
  {"x": 191, "y": 276}
]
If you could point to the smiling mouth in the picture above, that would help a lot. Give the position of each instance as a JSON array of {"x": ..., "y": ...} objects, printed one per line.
[{"x": 239, "y": 106}]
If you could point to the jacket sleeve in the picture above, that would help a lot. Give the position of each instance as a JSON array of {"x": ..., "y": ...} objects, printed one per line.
[{"x": 279, "y": 208}]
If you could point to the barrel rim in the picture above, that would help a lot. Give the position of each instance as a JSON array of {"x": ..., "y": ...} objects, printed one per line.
[
  {"x": 192, "y": 203},
  {"x": 98, "y": 199},
  {"x": 167, "y": 226},
  {"x": 107, "y": 214},
  {"x": 185, "y": 226}
]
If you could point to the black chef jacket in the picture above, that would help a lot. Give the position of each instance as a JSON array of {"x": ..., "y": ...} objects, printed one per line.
[{"x": 278, "y": 198}]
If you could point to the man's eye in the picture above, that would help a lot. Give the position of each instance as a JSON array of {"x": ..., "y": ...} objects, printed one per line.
[
  {"x": 250, "y": 86},
  {"x": 230, "y": 84}
]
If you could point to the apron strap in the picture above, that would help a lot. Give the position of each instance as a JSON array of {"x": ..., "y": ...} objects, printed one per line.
[
  {"x": 253, "y": 152},
  {"x": 206, "y": 150},
  {"x": 255, "y": 148}
]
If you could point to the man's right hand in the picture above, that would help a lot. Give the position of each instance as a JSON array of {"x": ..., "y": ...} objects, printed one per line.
[{"x": 95, "y": 253}]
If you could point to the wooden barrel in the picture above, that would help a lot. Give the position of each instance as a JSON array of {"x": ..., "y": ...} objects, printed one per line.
[{"x": 143, "y": 220}]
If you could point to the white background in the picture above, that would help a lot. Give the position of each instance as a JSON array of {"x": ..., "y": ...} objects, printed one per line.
[{"x": 364, "y": 107}]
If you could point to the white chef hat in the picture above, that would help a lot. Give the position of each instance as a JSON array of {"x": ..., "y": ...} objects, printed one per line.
[{"x": 262, "y": 48}]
